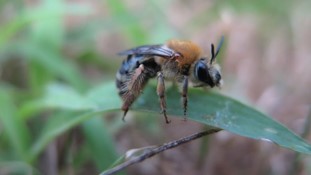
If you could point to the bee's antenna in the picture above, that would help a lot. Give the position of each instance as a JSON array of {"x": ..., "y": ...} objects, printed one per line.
[
  {"x": 217, "y": 50},
  {"x": 213, "y": 53}
]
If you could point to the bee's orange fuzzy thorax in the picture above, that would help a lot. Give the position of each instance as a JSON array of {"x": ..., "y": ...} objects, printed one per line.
[{"x": 190, "y": 51}]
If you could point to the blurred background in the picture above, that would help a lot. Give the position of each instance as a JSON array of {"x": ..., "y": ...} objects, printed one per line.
[{"x": 265, "y": 61}]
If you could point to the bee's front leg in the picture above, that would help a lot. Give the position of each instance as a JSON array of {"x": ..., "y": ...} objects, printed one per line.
[
  {"x": 184, "y": 93},
  {"x": 161, "y": 94}
]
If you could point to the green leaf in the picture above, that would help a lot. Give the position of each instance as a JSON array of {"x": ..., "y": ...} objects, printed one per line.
[
  {"x": 223, "y": 112},
  {"x": 15, "y": 127},
  {"x": 204, "y": 107},
  {"x": 61, "y": 96},
  {"x": 57, "y": 124},
  {"x": 122, "y": 15},
  {"x": 99, "y": 142},
  {"x": 79, "y": 109},
  {"x": 52, "y": 61},
  {"x": 49, "y": 10}
]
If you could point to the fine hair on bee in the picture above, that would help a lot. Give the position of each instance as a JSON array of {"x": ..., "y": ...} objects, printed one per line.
[{"x": 177, "y": 60}]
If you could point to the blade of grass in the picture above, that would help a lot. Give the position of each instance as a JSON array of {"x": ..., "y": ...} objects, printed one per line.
[
  {"x": 99, "y": 142},
  {"x": 14, "y": 126},
  {"x": 40, "y": 13},
  {"x": 56, "y": 124},
  {"x": 133, "y": 29},
  {"x": 208, "y": 108}
]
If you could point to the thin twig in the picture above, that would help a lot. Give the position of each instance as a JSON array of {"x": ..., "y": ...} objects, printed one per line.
[{"x": 158, "y": 150}]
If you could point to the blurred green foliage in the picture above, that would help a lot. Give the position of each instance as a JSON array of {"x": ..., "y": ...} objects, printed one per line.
[{"x": 36, "y": 37}]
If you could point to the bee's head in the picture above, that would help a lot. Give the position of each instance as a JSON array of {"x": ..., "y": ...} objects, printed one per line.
[
  {"x": 207, "y": 74},
  {"x": 206, "y": 71}
]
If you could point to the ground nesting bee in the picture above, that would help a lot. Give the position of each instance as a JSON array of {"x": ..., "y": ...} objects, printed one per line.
[{"x": 177, "y": 60}]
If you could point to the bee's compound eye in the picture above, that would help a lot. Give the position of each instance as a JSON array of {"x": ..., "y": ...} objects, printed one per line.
[{"x": 201, "y": 73}]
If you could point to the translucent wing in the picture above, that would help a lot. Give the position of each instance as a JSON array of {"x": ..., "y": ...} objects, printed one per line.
[{"x": 151, "y": 50}]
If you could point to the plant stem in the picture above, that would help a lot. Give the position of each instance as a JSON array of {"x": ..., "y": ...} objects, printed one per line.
[{"x": 158, "y": 150}]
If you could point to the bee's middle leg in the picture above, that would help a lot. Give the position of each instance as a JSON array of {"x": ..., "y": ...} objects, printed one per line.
[
  {"x": 184, "y": 93},
  {"x": 161, "y": 94}
]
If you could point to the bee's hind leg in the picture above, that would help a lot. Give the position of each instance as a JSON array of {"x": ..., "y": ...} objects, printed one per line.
[
  {"x": 161, "y": 94},
  {"x": 125, "y": 109},
  {"x": 133, "y": 88}
]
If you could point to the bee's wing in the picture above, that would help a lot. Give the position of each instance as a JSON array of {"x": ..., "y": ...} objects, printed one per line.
[{"x": 150, "y": 50}]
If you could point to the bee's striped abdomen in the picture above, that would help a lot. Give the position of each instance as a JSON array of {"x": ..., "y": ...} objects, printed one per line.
[
  {"x": 126, "y": 73},
  {"x": 123, "y": 75}
]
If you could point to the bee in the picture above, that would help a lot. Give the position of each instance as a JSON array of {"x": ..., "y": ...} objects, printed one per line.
[{"x": 177, "y": 60}]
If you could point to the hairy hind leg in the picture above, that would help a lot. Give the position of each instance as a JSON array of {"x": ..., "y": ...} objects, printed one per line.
[{"x": 133, "y": 88}]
